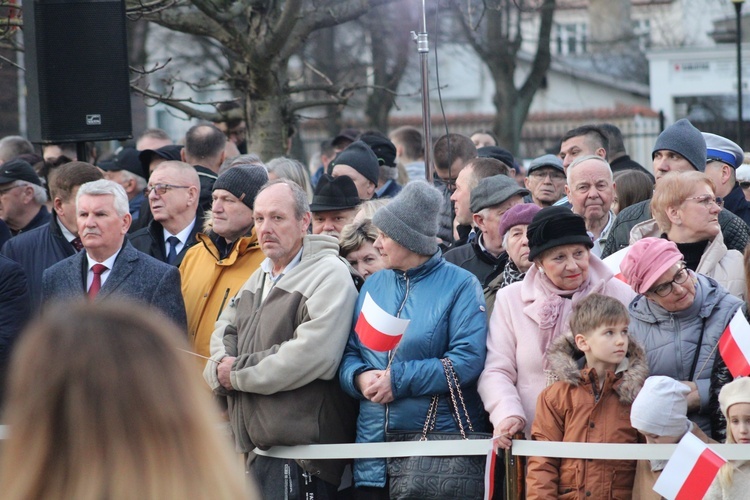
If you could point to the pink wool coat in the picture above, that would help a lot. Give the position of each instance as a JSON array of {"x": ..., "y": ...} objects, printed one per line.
[{"x": 527, "y": 317}]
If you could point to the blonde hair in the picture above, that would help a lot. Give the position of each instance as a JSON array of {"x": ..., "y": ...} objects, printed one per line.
[
  {"x": 671, "y": 191},
  {"x": 355, "y": 234},
  {"x": 367, "y": 209},
  {"x": 102, "y": 404}
]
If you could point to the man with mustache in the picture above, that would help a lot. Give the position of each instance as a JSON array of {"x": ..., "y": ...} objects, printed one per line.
[
  {"x": 277, "y": 347},
  {"x": 110, "y": 268},
  {"x": 591, "y": 190}
]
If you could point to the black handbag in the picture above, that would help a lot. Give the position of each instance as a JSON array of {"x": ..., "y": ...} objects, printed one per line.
[{"x": 439, "y": 478}]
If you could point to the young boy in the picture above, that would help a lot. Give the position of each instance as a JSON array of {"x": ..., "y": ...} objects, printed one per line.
[{"x": 599, "y": 371}]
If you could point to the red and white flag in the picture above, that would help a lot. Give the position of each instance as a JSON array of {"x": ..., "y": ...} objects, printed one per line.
[
  {"x": 690, "y": 471},
  {"x": 377, "y": 329},
  {"x": 734, "y": 346},
  {"x": 489, "y": 473},
  {"x": 613, "y": 263}
]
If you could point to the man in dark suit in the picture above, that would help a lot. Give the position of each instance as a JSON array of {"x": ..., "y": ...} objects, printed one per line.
[{"x": 110, "y": 267}]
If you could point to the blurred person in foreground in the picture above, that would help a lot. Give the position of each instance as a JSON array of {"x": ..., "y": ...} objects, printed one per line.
[{"x": 142, "y": 428}]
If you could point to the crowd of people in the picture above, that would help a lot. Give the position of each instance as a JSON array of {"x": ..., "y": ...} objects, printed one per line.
[{"x": 279, "y": 282}]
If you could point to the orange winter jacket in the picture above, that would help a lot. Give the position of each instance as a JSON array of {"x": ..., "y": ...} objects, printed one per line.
[{"x": 571, "y": 410}]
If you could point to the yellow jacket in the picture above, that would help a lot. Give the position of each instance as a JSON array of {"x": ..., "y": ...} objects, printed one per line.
[{"x": 208, "y": 283}]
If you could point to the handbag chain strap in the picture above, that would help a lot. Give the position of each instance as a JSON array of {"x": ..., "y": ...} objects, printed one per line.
[
  {"x": 452, "y": 378},
  {"x": 429, "y": 422}
]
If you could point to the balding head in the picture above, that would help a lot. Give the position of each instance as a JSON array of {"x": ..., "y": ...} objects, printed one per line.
[
  {"x": 174, "y": 189},
  {"x": 204, "y": 146},
  {"x": 13, "y": 146}
]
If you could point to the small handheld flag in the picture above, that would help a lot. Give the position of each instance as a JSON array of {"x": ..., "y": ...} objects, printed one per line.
[
  {"x": 734, "y": 346},
  {"x": 613, "y": 263},
  {"x": 690, "y": 471},
  {"x": 377, "y": 329}
]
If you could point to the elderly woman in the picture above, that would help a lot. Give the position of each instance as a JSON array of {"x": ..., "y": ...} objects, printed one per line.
[
  {"x": 356, "y": 245},
  {"x": 530, "y": 314},
  {"x": 513, "y": 233},
  {"x": 686, "y": 211},
  {"x": 678, "y": 317},
  {"x": 445, "y": 307}
]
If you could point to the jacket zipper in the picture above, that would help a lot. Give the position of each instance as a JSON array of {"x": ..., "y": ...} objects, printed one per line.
[{"x": 391, "y": 353}]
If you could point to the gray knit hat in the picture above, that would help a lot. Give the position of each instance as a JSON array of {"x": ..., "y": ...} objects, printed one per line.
[
  {"x": 661, "y": 407},
  {"x": 411, "y": 219},
  {"x": 243, "y": 182},
  {"x": 683, "y": 138}
]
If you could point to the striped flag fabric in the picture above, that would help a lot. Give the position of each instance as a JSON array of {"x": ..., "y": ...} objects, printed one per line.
[
  {"x": 690, "y": 471},
  {"x": 613, "y": 263},
  {"x": 489, "y": 473},
  {"x": 378, "y": 330},
  {"x": 734, "y": 346}
]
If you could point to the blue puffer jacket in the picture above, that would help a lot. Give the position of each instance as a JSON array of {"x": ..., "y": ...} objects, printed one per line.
[
  {"x": 670, "y": 339},
  {"x": 447, "y": 312}
]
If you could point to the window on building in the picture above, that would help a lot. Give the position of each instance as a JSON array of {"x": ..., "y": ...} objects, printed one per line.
[{"x": 569, "y": 39}]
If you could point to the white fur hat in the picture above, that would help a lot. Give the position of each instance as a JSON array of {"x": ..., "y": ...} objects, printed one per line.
[
  {"x": 736, "y": 391},
  {"x": 661, "y": 407}
]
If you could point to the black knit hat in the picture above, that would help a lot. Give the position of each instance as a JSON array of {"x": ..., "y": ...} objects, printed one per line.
[
  {"x": 334, "y": 193},
  {"x": 360, "y": 157},
  {"x": 243, "y": 182},
  {"x": 383, "y": 148},
  {"x": 553, "y": 227}
]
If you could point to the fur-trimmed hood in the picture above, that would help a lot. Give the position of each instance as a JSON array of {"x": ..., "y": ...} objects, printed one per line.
[{"x": 566, "y": 362}]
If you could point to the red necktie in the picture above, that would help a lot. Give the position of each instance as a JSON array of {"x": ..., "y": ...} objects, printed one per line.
[{"x": 97, "y": 269}]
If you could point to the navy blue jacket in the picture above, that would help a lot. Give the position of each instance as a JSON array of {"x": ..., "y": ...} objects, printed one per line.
[
  {"x": 135, "y": 276},
  {"x": 37, "y": 250},
  {"x": 15, "y": 309},
  {"x": 447, "y": 311},
  {"x": 150, "y": 239}
]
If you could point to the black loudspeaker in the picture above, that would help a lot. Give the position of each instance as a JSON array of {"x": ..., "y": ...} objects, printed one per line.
[{"x": 77, "y": 77}]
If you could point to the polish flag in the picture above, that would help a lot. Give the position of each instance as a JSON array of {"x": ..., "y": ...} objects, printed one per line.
[
  {"x": 734, "y": 346},
  {"x": 690, "y": 471},
  {"x": 377, "y": 329},
  {"x": 489, "y": 472},
  {"x": 613, "y": 263}
]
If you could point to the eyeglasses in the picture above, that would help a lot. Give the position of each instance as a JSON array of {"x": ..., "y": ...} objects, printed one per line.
[
  {"x": 161, "y": 189},
  {"x": 8, "y": 189},
  {"x": 552, "y": 174},
  {"x": 745, "y": 185},
  {"x": 666, "y": 288},
  {"x": 707, "y": 199}
]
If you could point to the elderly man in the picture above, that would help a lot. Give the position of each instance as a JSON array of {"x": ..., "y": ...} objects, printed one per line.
[
  {"x": 545, "y": 180},
  {"x": 468, "y": 178},
  {"x": 591, "y": 191},
  {"x": 492, "y": 197},
  {"x": 277, "y": 347},
  {"x": 724, "y": 157},
  {"x": 334, "y": 204},
  {"x": 40, "y": 248},
  {"x": 359, "y": 163},
  {"x": 22, "y": 197},
  {"x": 227, "y": 254},
  {"x": 110, "y": 268},
  {"x": 679, "y": 148},
  {"x": 173, "y": 191}
]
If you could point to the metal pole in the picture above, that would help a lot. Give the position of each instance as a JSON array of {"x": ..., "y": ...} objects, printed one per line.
[
  {"x": 423, "y": 49},
  {"x": 738, "y": 10}
]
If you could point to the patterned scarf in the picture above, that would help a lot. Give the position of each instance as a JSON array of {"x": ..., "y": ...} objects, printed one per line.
[{"x": 511, "y": 274}]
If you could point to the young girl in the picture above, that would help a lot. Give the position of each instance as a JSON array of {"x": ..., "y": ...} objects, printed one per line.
[{"x": 733, "y": 480}]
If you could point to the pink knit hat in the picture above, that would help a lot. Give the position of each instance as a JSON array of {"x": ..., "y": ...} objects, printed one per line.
[{"x": 647, "y": 260}]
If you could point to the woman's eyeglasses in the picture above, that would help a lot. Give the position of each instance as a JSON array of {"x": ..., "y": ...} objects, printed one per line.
[
  {"x": 707, "y": 199},
  {"x": 666, "y": 288}
]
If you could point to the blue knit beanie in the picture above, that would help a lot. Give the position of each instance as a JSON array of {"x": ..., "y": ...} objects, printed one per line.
[{"x": 684, "y": 139}]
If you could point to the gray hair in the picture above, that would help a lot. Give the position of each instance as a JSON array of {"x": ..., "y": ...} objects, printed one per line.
[
  {"x": 13, "y": 146},
  {"x": 140, "y": 182},
  {"x": 40, "y": 195},
  {"x": 287, "y": 168},
  {"x": 241, "y": 161},
  {"x": 582, "y": 159},
  {"x": 103, "y": 187},
  {"x": 301, "y": 205}
]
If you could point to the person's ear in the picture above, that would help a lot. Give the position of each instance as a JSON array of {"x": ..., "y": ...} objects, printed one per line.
[
  {"x": 581, "y": 342},
  {"x": 674, "y": 215},
  {"x": 479, "y": 222}
]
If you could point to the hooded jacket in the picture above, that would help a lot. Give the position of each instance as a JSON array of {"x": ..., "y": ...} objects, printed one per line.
[
  {"x": 288, "y": 348},
  {"x": 527, "y": 317},
  {"x": 210, "y": 282},
  {"x": 671, "y": 339},
  {"x": 446, "y": 308},
  {"x": 574, "y": 410},
  {"x": 726, "y": 266}
]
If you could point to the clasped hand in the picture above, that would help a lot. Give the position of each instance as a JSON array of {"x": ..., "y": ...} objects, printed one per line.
[{"x": 375, "y": 385}]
